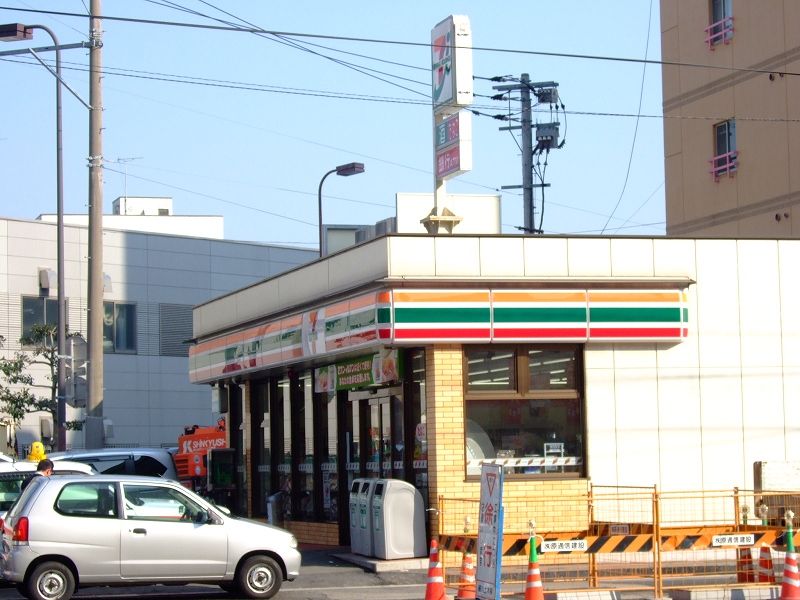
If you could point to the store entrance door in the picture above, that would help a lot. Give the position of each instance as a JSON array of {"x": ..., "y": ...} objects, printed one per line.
[{"x": 379, "y": 422}]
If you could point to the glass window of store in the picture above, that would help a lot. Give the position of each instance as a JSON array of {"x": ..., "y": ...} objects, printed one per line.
[
  {"x": 283, "y": 444},
  {"x": 303, "y": 435},
  {"x": 526, "y": 403},
  {"x": 236, "y": 407},
  {"x": 418, "y": 422},
  {"x": 262, "y": 444},
  {"x": 327, "y": 429}
]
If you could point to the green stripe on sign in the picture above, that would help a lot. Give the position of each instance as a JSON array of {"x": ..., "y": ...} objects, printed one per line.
[
  {"x": 337, "y": 325},
  {"x": 540, "y": 315},
  {"x": 685, "y": 315},
  {"x": 442, "y": 315},
  {"x": 384, "y": 315},
  {"x": 362, "y": 319},
  {"x": 634, "y": 315}
]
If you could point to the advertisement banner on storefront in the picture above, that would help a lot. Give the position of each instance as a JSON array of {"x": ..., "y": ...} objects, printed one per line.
[{"x": 382, "y": 367}]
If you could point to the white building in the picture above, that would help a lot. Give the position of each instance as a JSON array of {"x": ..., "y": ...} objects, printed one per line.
[
  {"x": 615, "y": 361},
  {"x": 152, "y": 280}
]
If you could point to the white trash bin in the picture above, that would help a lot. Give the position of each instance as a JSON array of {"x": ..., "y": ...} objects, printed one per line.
[
  {"x": 365, "y": 538},
  {"x": 355, "y": 531},
  {"x": 398, "y": 520}
]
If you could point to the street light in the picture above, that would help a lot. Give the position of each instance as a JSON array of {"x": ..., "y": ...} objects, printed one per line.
[
  {"x": 14, "y": 32},
  {"x": 353, "y": 168}
]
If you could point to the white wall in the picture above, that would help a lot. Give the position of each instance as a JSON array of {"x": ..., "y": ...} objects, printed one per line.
[{"x": 147, "y": 396}]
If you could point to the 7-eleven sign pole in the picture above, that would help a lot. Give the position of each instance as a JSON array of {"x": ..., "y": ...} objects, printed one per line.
[{"x": 490, "y": 533}]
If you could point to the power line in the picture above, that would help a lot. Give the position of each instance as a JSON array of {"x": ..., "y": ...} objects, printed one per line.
[
  {"x": 402, "y": 43},
  {"x": 636, "y": 129}
]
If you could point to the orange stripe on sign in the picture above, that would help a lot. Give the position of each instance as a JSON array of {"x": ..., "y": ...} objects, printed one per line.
[
  {"x": 601, "y": 296},
  {"x": 212, "y": 344},
  {"x": 337, "y": 309},
  {"x": 442, "y": 296},
  {"x": 292, "y": 321},
  {"x": 236, "y": 337},
  {"x": 269, "y": 328},
  {"x": 568, "y": 296},
  {"x": 384, "y": 296},
  {"x": 361, "y": 302}
]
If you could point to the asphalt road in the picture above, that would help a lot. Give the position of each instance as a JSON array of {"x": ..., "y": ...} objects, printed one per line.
[{"x": 322, "y": 577}]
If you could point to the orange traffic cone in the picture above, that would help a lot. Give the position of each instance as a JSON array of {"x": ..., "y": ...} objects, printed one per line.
[
  {"x": 435, "y": 588},
  {"x": 466, "y": 587},
  {"x": 744, "y": 566},
  {"x": 533, "y": 584},
  {"x": 765, "y": 573},
  {"x": 790, "y": 587}
]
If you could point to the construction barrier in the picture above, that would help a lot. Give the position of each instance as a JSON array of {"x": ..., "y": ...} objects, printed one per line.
[{"x": 630, "y": 539}]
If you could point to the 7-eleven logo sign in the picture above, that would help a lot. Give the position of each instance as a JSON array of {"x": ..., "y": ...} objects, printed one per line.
[{"x": 442, "y": 65}]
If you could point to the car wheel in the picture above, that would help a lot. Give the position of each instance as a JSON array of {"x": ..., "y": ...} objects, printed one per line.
[
  {"x": 51, "y": 581},
  {"x": 259, "y": 577}
]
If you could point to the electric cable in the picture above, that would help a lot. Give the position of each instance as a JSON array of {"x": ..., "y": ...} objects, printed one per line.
[
  {"x": 403, "y": 43},
  {"x": 636, "y": 128}
]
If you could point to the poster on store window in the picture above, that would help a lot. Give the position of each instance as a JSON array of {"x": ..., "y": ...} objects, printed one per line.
[
  {"x": 382, "y": 367},
  {"x": 490, "y": 533}
]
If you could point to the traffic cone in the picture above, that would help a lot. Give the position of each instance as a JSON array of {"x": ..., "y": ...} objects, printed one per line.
[
  {"x": 744, "y": 566},
  {"x": 435, "y": 588},
  {"x": 533, "y": 584},
  {"x": 466, "y": 587},
  {"x": 790, "y": 587},
  {"x": 765, "y": 573}
]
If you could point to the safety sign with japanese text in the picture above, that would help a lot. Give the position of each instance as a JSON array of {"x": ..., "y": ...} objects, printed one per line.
[{"x": 490, "y": 533}]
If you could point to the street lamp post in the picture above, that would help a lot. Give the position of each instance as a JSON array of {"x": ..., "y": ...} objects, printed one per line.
[
  {"x": 17, "y": 32},
  {"x": 353, "y": 168}
]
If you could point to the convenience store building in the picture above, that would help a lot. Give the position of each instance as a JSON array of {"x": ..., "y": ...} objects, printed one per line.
[{"x": 616, "y": 361}]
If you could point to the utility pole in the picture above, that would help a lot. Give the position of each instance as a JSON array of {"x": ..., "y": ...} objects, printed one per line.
[
  {"x": 94, "y": 406},
  {"x": 527, "y": 154},
  {"x": 545, "y": 141}
]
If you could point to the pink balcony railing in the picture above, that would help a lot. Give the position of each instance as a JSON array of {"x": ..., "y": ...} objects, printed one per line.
[
  {"x": 721, "y": 31},
  {"x": 724, "y": 164}
]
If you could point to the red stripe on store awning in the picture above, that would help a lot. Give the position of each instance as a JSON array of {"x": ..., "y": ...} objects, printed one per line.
[
  {"x": 635, "y": 332},
  {"x": 436, "y": 334}
]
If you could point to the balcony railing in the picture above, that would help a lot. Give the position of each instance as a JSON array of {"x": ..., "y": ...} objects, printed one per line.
[
  {"x": 721, "y": 31},
  {"x": 724, "y": 164}
]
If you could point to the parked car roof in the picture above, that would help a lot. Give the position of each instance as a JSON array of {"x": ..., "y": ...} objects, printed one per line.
[{"x": 150, "y": 461}]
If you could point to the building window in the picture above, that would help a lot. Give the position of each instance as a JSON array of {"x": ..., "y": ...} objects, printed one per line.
[
  {"x": 726, "y": 159},
  {"x": 534, "y": 425},
  {"x": 119, "y": 328},
  {"x": 721, "y": 28},
  {"x": 38, "y": 311}
]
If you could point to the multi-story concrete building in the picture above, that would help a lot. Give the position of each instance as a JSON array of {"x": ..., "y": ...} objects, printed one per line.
[
  {"x": 152, "y": 280},
  {"x": 731, "y": 110}
]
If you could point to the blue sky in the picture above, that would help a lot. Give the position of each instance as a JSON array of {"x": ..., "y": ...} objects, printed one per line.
[{"x": 230, "y": 148}]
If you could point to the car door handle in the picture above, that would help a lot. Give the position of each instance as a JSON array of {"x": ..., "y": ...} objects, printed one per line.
[{"x": 141, "y": 530}]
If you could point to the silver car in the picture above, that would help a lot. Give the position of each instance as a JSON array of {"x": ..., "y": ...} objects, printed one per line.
[{"x": 71, "y": 531}]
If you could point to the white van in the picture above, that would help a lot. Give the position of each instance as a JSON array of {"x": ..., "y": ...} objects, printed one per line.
[
  {"x": 151, "y": 462},
  {"x": 14, "y": 472}
]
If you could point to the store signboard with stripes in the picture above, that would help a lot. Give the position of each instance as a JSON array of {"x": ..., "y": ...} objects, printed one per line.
[
  {"x": 414, "y": 317},
  {"x": 428, "y": 316},
  {"x": 442, "y": 316}
]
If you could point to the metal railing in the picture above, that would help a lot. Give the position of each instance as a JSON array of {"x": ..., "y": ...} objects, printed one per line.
[
  {"x": 630, "y": 539},
  {"x": 721, "y": 31},
  {"x": 724, "y": 164}
]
